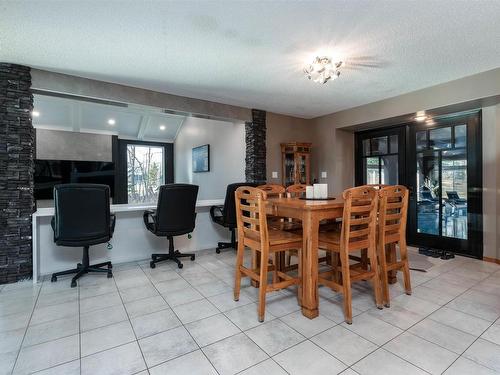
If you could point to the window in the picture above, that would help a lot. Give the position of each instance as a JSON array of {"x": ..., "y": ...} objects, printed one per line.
[
  {"x": 145, "y": 172},
  {"x": 143, "y": 168}
]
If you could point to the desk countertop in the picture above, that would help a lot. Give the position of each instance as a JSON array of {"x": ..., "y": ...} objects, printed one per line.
[{"x": 49, "y": 211}]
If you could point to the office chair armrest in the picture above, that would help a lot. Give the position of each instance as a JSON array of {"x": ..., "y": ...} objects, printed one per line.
[
  {"x": 112, "y": 222},
  {"x": 213, "y": 210},
  {"x": 149, "y": 214}
]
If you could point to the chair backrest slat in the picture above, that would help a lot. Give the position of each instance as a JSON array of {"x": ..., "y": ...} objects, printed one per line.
[
  {"x": 359, "y": 218},
  {"x": 393, "y": 211},
  {"x": 251, "y": 214}
]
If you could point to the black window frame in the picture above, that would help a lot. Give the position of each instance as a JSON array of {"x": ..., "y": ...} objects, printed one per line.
[{"x": 120, "y": 160}]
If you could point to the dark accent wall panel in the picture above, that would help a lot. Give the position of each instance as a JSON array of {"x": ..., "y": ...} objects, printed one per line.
[
  {"x": 255, "y": 138},
  {"x": 17, "y": 140}
]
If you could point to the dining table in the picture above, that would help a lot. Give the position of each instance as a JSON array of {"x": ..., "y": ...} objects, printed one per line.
[{"x": 311, "y": 213}]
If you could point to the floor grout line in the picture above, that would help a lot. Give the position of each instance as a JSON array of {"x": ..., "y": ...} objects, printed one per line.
[{"x": 140, "y": 266}]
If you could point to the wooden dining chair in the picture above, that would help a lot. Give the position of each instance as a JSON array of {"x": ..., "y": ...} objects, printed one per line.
[
  {"x": 296, "y": 190},
  {"x": 273, "y": 190},
  {"x": 293, "y": 191},
  {"x": 393, "y": 212},
  {"x": 358, "y": 232},
  {"x": 253, "y": 233}
]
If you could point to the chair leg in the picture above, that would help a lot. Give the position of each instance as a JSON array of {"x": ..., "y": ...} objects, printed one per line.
[
  {"x": 255, "y": 265},
  {"x": 83, "y": 268},
  {"x": 262, "y": 285},
  {"x": 346, "y": 284},
  {"x": 383, "y": 275},
  {"x": 364, "y": 259},
  {"x": 299, "y": 273},
  {"x": 335, "y": 260},
  {"x": 406, "y": 266},
  {"x": 237, "y": 277},
  {"x": 275, "y": 268},
  {"x": 80, "y": 273},
  {"x": 104, "y": 264},
  {"x": 172, "y": 255},
  {"x": 376, "y": 277}
]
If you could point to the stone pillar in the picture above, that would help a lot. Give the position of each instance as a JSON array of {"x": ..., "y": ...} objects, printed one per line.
[
  {"x": 16, "y": 172},
  {"x": 255, "y": 137}
]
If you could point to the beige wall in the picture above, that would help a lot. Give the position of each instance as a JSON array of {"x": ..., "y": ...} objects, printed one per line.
[
  {"x": 472, "y": 88},
  {"x": 491, "y": 181},
  {"x": 280, "y": 129},
  {"x": 67, "y": 84}
]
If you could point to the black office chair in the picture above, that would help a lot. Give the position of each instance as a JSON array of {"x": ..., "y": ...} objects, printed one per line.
[
  {"x": 82, "y": 218},
  {"x": 226, "y": 215},
  {"x": 174, "y": 216}
]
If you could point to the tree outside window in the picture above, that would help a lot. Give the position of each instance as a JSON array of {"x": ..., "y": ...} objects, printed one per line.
[{"x": 145, "y": 166}]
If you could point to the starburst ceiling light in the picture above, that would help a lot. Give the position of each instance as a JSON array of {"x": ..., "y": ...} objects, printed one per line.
[{"x": 323, "y": 69}]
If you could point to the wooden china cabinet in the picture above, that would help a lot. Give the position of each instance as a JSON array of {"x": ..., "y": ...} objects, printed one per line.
[{"x": 295, "y": 163}]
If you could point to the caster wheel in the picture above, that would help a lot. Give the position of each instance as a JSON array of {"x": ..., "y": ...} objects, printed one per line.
[
  {"x": 192, "y": 257},
  {"x": 73, "y": 283},
  {"x": 53, "y": 279},
  {"x": 110, "y": 266},
  {"x": 110, "y": 274},
  {"x": 177, "y": 252},
  {"x": 152, "y": 265},
  {"x": 180, "y": 265},
  {"x": 217, "y": 251}
]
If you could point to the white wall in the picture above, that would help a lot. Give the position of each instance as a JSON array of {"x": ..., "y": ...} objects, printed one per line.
[{"x": 227, "y": 155}]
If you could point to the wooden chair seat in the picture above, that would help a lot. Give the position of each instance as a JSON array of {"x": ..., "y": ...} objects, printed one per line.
[
  {"x": 280, "y": 237},
  {"x": 285, "y": 225}
]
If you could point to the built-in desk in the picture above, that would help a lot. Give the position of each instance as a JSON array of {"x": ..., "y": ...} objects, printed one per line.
[{"x": 131, "y": 240}]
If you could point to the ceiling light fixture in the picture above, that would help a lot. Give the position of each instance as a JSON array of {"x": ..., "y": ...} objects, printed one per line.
[
  {"x": 323, "y": 69},
  {"x": 35, "y": 113},
  {"x": 111, "y": 121},
  {"x": 162, "y": 127}
]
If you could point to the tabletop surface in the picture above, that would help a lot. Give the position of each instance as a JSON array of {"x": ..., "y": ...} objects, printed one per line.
[{"x": 304, "y": 204}]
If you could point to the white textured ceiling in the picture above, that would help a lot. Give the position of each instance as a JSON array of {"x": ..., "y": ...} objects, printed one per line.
[
  {"x": 251, "y": 53},
  {"x": 81, "y": 116}
]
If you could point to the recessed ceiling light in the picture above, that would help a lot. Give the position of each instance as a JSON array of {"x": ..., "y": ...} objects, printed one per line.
[
  {"x": 35, "y": 113},
  {"x": 421, "y": 116},
  {"x": 162, "y": 127},
  {"x": 111, "y": 121}
]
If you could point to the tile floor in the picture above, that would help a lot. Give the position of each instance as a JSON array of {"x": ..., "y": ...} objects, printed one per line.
[{"x": 171, "y": 321}]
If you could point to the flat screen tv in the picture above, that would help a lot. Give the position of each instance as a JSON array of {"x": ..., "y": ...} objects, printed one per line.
[{"x": 49, "y": 173}]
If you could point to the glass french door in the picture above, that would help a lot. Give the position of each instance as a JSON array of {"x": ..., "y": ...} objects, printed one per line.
[
  {"x": 441, "y": 164},
  {"x": 445, "y": 168},
  {"x": 380, "y": 157}
]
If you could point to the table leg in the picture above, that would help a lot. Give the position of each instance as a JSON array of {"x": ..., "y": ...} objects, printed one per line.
[
  {"x": 391, "y": 258},
  {"x": 309, "y": 287}
]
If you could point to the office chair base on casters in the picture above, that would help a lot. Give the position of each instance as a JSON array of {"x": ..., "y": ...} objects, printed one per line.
[
  {"x": 228, "y": 245},
  {"x": 83, "y": 268},
  {"x": 172, "y": 255}
]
